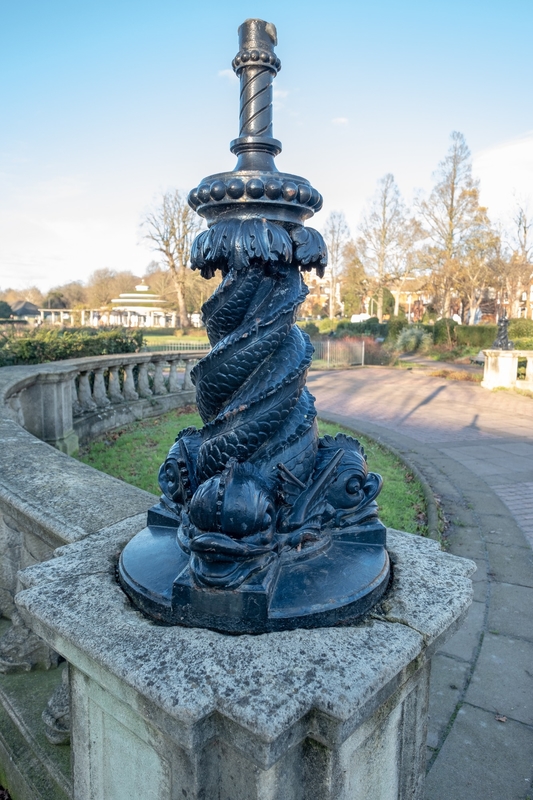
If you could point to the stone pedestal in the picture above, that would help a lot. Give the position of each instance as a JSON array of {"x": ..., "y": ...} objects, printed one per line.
[
  {"x": 501, "y": 369},
  {"x": 172, "y": 712}
]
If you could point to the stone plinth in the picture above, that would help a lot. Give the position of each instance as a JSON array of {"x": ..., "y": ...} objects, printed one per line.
[
  {"x": 329, "y": 713},
  {"x": 501, "y": 368}
]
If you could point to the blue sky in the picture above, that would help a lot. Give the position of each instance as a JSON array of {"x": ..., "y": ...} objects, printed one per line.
[{"x": 106, "y": 104}]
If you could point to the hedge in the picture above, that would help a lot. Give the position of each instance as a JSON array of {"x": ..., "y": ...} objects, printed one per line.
[
  {"x": 481, "y": 336},
  {"x": 396, "y": 326},
  {"x": 310, "y": 328},
  {"x": 369, "y": 327},
  {"x": 159, "y": 331},
  {"x": 444, "y": 331},
  {"x": 520, "y": 328},
  {"x": 523, "y": 343},
  {"x": 55, "y": 345}
]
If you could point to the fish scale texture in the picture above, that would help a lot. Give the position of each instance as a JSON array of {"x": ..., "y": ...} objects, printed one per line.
[
  {"x": 230, "y": 302},
  {"x": 251, "y": 387}
]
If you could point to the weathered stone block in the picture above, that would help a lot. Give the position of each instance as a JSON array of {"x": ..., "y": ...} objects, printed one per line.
[{"x": 302, "y": 715}]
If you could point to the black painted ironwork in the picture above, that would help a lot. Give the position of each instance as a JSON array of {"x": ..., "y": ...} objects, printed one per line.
[
  {"x": 502, "y": 341},
  {"x": 262, "y": 525}
]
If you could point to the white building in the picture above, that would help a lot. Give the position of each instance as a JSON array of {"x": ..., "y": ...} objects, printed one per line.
[{"x": 140, "y": 309}]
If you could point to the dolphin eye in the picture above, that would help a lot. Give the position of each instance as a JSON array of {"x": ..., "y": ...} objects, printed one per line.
[{"x": 353, "y": 486}]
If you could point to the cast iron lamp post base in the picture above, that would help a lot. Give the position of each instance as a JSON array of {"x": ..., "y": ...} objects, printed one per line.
[{"x": 335, "y": 584}]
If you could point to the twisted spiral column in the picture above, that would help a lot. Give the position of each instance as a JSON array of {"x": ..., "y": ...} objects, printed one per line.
[
  {"x": 255, "y": 116},
  {"x": 251, "y": 387},
  {"x": 256, "y": 64}
]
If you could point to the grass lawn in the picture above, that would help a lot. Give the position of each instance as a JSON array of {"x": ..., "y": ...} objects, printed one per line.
[{"x": 134, "y": 454}]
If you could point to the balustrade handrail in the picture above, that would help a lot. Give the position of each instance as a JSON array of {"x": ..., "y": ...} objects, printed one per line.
[
  {"x": 26, "y": 375},
  {"x": 514, "y": 352},
  {"x": 56, "y": 401}
]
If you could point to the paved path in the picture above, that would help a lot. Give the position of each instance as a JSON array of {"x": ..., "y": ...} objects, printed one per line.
[{"x": 475, "y": 449}]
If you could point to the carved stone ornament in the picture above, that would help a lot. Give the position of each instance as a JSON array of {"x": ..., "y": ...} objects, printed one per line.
[{"x": 262, "y": 525}]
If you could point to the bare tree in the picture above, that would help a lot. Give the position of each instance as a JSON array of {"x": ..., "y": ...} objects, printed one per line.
[
  {"x": 196, "y": 288},
  {"x": 387, "y": 241},
  {"x": 336, "y": 234},
  {"x": 105, "y": 284},
  {"x": 170, "y": 228},
  {"x": 449, "y": 217},
  {"x": 31, "y": 293},
  {"x": 475, "y": 272},
  {"x": 521, "y": 261}
]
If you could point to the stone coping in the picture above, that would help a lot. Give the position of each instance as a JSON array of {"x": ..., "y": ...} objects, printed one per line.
[
  {"x": 265, "y": 688},
  {"x": 44, "y": 488},
  {"x": 509, "y": 353},
  {"x": 14, "y": 379}
]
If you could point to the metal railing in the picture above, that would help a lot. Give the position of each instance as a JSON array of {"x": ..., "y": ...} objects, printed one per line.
[
  {"x": 338, "y": 353},
  {"x": 177, "y": 347},
  {"x": 329, "y": 353}
]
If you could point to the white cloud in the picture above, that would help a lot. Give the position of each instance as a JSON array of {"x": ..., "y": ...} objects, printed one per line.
[
  {"x": 505, "y": 172},
  {"x": 339, "y": 121},
  {"x": 229, "y": 74}
]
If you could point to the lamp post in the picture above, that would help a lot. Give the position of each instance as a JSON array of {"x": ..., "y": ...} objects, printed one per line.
[{"x": 263, "y": 525}]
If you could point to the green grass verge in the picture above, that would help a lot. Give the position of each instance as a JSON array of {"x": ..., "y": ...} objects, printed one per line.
[
  {"x": 134, "y": 454},
  {"x": 401, "y": 502}
]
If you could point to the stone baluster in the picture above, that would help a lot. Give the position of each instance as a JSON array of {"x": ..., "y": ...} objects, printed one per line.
[
  {"x": 77, "y": 408},
  {"x": 143, "y": 384},
  {"x": 173, "y": 384},
  {"x": 84, "y": 392},
  {"x": 159, "y": 378},
  {"x": 46, "y": 408},
  {"x": 129, "y": 390},
  {"x": 99, "y": 389},
  {"x": 115, "y": 392},
  {"x": 187, "y": 382}
]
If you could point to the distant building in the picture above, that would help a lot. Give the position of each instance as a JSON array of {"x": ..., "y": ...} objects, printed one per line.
[
  {"x": 140, "y": 309},
  {"x": 23, "y": 309}
]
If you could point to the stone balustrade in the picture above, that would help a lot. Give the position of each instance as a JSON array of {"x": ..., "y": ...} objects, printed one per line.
[
  {"x": 63, "y": 404},
  {"x": 70, "y": 402},
  {"x": 501, "y": 369},
  {"x": 48, "y": 500}
]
